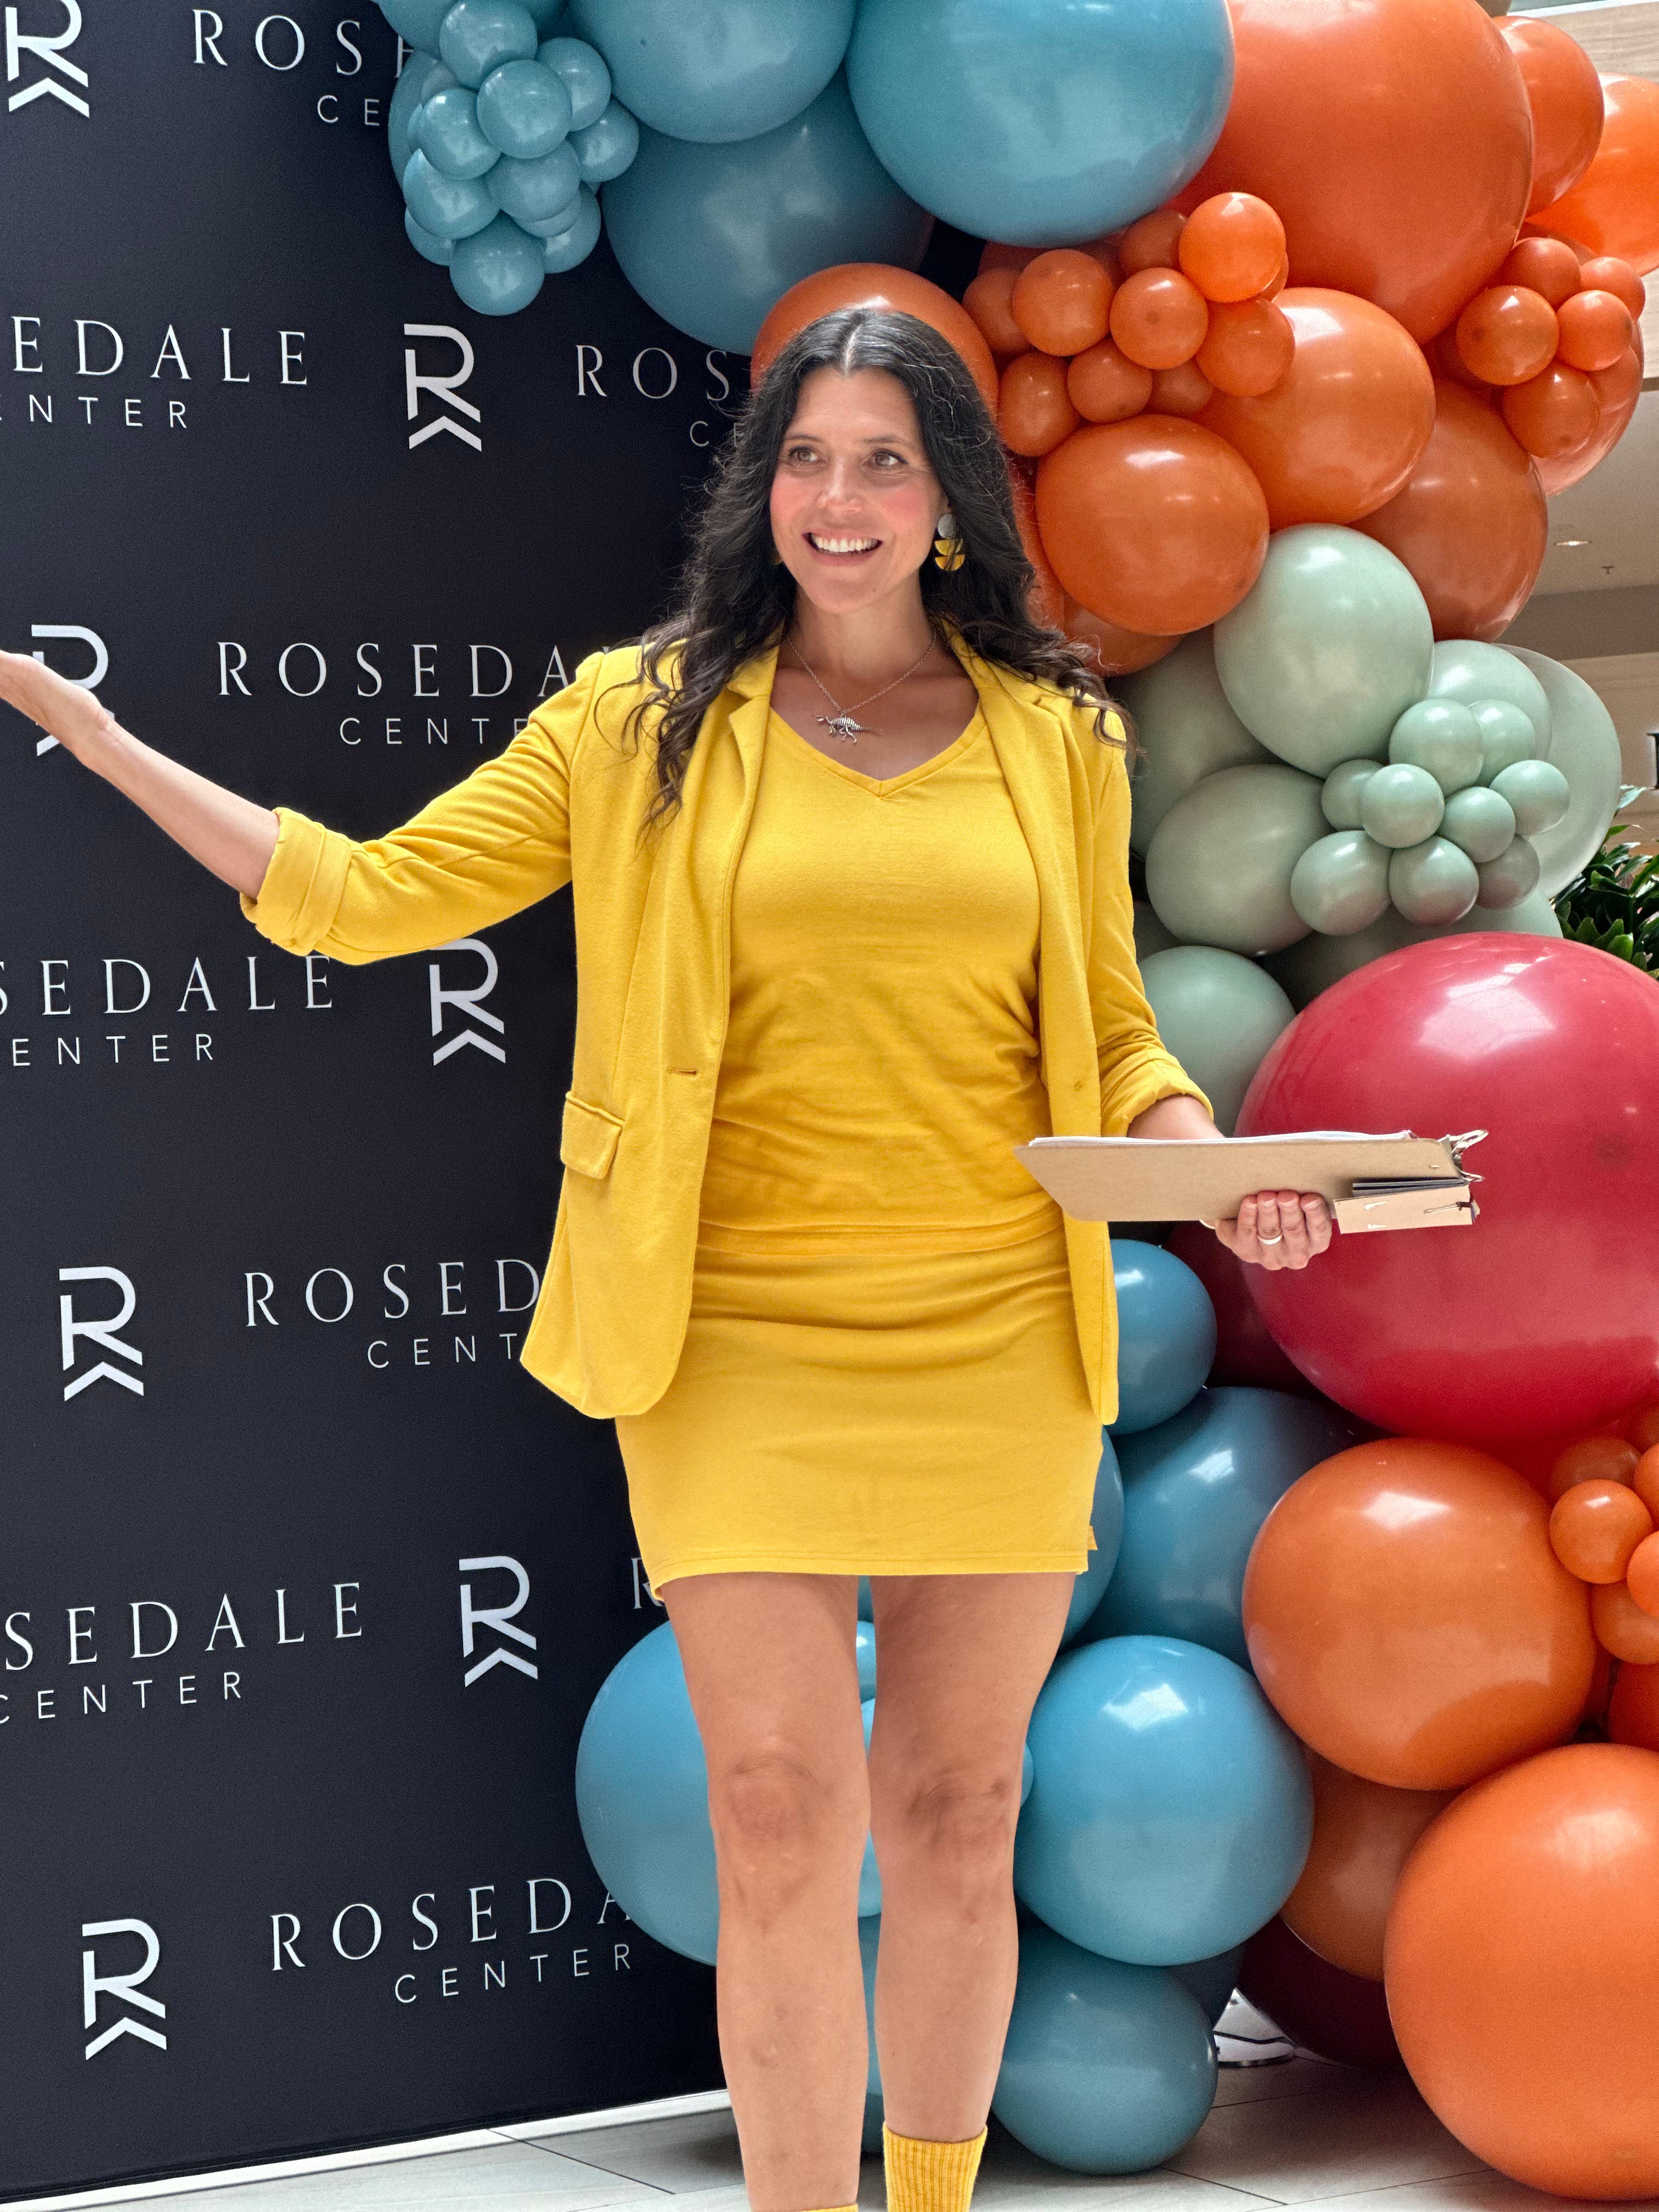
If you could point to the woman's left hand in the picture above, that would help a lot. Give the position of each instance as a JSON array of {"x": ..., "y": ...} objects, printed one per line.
[{"x": 1278, "y": 1229}]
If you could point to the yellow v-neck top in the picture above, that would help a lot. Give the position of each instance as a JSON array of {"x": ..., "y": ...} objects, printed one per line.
[{"x": 882, "y": 1057}]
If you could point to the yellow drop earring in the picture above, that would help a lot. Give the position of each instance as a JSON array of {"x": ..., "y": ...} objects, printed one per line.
[{"x": 948, "y": 552}]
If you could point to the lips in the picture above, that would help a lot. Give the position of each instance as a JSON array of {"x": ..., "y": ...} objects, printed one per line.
[{"x": 841, "y": 547}]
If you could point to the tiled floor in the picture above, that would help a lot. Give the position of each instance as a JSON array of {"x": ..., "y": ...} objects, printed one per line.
[{"x": 1299, "y": 2133}]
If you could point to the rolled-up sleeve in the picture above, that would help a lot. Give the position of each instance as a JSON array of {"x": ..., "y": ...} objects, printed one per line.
[
  {"x": 1135, "y": 1070},
  {"x": 484, "y": 849}
]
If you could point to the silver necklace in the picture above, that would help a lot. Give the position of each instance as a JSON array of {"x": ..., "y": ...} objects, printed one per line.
[{"x": 841, "y": 723}]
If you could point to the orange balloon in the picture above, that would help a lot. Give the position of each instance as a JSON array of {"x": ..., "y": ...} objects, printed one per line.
[
  {"x": 1034, "y": 412},
  {"x": 1159, "y": 317},
  {"x": 1580, "y": 251},
  {"x": 1471, "y": 524},
  {"x": 1272, "y": 291},
  {"x": 1642, "y": 1575},
  {"x": 1591, "y": 1459},
  {"x": 1507, "y": 333},
  {"x": 1548, "y": 266},
  {"x": 1363, "y": 1834},
  {"x": 1046, "y": 598},
  {"x": 1343, "y": 428},
  {"x": 1119, "y": 651},
  {"x": 1564, "y": 94},
  {"x": 1445, "y": 359},
  {"x": 1154, "y": 523},
  {"x": 1606, "y": 272},
  {"x": 1596, "y": 328},
  {"x": 1633, "y": 1708},
  {"x": 1615, "y": 206},
  {"x": 993, "y": 256},
  {"x": 1553, "y": 414},
  {"x": 1623, "y": 1628},
  {"x": 1595, "y": 1527},
  {"x": 1601, "y": 1689},
  {"x": 871, "y": 285},
  {"x": 1617, "y": 391},
  {"x": 1106, "y": 386},
  {"x": 1104, "y": 251},
  {"x": 987, "y": 300},
  {"x": 1247, "y": 348},
  {"x": 1535, "y": 1898},
  {"x": 1406, "y": 1616},
  {"x": 1394, "y": 141},
  {"x": 1154, "y": 242},
  {"x": 1062, "y": 300},
  {"x": 1184, "y": 389},
  {"x": 1644, "y": 1479},
  {"x": 1232, "y": 247}
]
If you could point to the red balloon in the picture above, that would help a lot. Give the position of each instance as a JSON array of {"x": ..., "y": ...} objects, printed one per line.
[
  {"x": 1544, "y": 1315},
  {"x": 1564, "y": 94},
  {"x": 1395, "y": 140},
  {"x": 1337, "y": 2015},
  {"x": 1245, "y": 1353},
  {"x": 873, "y": 284},
  {"x": 1471, "y": 524}
]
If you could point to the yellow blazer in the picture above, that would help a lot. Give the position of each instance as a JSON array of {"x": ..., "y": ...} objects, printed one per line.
[{"x": 564, "y": 804}]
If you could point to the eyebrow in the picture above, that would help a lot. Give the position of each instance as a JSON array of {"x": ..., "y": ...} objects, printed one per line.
[{"x": 878, "y": 438}]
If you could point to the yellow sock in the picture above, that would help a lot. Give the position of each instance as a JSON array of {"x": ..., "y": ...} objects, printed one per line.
[{"x": 929, "y": 2177}]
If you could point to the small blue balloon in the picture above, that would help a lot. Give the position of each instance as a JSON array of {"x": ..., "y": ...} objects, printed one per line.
[
  {"x": 423, "y": 75},
  {"x": 642, "y": 1798},
  {"x": 416, "y": 21},
  {"x": 1212, "y": 1981},
  {"x": 608, "y": 147},
  {"x": 1166, "y": 1335},
  {"x": 440, "y": 250},
  {"x": 580, "y": 67},
  {"x": 567, "y": 249},
  {"x": 523, "y": 110},
  {"x": 716, "y": 70},
  {"x": 447, "y": 131},
  {"x": 866, "y": 1659},
  {"x": 1106, "y": 2068},
  {"x": 499, "y": 270},
  {"x": 1041, "y": 122},
  {"x": 1172, "y": 1810},
  {"x": 1196, "y": 1489},
  {"x": 538, "y": 192},
  {"x": 713, "y": 236},
  {"x": 874, "y": 2112},
  {"x": 867, "y": 1602},
  {"x": 449, "y": 207},
  {"x": 477, "y": 36},
  {"x": 1106, "y": 1519}
]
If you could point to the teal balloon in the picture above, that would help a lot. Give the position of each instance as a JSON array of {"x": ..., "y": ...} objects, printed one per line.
[
  {"x": 447, "y": 131},
  {"x": 865, "y": 1648},
  {"x": 1219, "y": 868},
  {"x": 416, "y": 21},
  {"x": 538, "y": 192},
  {"x": 1442, "y": 735},
  {"x": 580, "y": 69},
  {"x": 1433, "y": 883},
  {"x": 1537, "y": 792},
  {"x": 545, "y": 14},
  {"x": 1196, "y": 1491},
  {"x": 1212, "y": 1981},
  {"x": 867, "y": 1602},
  {"x": 1341, "y": 883},
  {"x": 1316, "y": 962},
  {"x": 874, "y": 2110},
  {"x": 1186, "y": 731},
  {"x": 477, "y": 36},
  {"x": 1328, "y": 648},
  {"x": 1151, "y": 935},
  {"x": 1466, "y": 671},
  {"x": 523, "y": 110},
  {"x": 1106, "y": 1519},
  {"x": 499, "y": 270},
  {"x": 1584, "y": 745},
  {"x": 422, "y": 75},
  {"x": 713, "y": 236},
  {"x": 567, "y": 247},
  {"x": 1340, "y": 799},
  {"x": 1106, "y": 2067},
  {"x": 448, "y": 207},
  {"x": 718, "y": 70},
  {"x": 1172, "y": 1811},
  {"x": 607, "y": 147},
  {"x": 1043, "y": 122},
  {"x": 434, "y": 249},
  {"x": 1217, "y": 1013},
  {"x": 1480, "y": 823},
  {"x": 1511, "y": 879},
  {"x": 1401, "y": 805},
  {"x": 1506, "y": 736},
  {"x": 1166, "y": 1335}
]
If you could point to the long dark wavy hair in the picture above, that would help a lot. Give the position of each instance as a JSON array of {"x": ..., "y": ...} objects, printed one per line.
[{"x": 735, "y": 598}]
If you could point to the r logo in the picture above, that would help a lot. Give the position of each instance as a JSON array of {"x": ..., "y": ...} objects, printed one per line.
[
  {"x": 467, "y": 1001},
  {"x": 499, "y": 1617},
  {"x": 99, "y": 651},
  {"x": 444, "y": 386},
  {"x": 50, "y": 49},
  {"x": 102, "y": 1332},
  {"x": 124, "y": 1988}
]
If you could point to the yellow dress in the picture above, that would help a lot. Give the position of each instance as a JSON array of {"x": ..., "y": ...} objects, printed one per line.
[{"x": 881, "y": 1374}]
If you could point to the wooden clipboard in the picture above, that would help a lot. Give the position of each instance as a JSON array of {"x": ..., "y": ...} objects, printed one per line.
[{"x": 1206, "y": 1178}]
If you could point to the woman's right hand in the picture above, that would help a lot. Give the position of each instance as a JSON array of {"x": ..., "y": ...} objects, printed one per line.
[{"x": 67, "y": 712}]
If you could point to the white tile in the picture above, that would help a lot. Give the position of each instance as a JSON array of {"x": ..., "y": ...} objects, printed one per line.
[
  {"x": 505, "y": 2177},
  {"x": 1014, "y": 2179},
  {"x": 1485, "y": 2191},
  {"x": 695, "y": 2151},
  {"x": 1295, "y": 2075},
  {"x": 1341, "y": 2138}
]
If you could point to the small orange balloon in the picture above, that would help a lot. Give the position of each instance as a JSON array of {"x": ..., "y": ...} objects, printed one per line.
[
  {"x": 1592, "y": 1459},
  {"x": 1606, "y": 272},
  {"x": 1564, "y": 94},
  {"x": 1645, "y": 1479},
  {"x": 1119, "y": 652},
  {"x": 1617, "y": 391},
  {"x": 1446, "y": 361},
  {"x": 873, "y": 284},
  {"x": 1159, "y": 317},
  {"x": 1594, "y": 1528},
  {"x": 1622, "y": 1626},
  {"x": 987, "y": 300},
  {"x": 1614, "y": 205},
  {"x": 1106, "y": 386},
  {"x": 1104, "y": 251},
  {"x": 1247, "y": 348},
  {"x": 1507, "y": 333},
  {"x": 1061, "y": 301},
  {"x": 1363, "y": 1834},
  {"x": 1272, "y": 291},
  {"x": 1232, "y": 246},
  {"x": 1154, "y": 242},
  {"x": 1633, "y": 1708},
  {"x": 1595, "y": 329},
  {"x": 1183, "y": 390},
  {"x": 1034, "y": 411},
  {"x": 1553, "y": 414},
  {"x": 1046, "y": 598},
  {"x": 1546, "y": 265},
  {"x": 993, "y": 256},
  {"x": 1642, "y": 1575}
]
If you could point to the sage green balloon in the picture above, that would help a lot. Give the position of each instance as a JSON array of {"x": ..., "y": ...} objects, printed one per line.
[
  {"x": 1315, "y": 962},
  {"x": 1506, "y": 736},
  {"x": 1433, "y": 883},
  {"x": 1328, "y": 648},
  {"x": 1584, "y": 746},
  {"x": 1186, "y": 731},
  {"x": 1401, "y": 805},
  {"x": 1539, "y": 793},
  {"x": 1478, "y": 822},
  {"x": 1443, "y": 737},
  {"x": 1341, "y": 883},
  {"x": 1512, "y": 877},
  {"x": 1217, "y": 1013},
  {"x": 1151, "y": 935},
  {"x": 1339, "y": 800},
  {"x": 1468, "y": 672},
  {"x": 1218, "y": 870}
]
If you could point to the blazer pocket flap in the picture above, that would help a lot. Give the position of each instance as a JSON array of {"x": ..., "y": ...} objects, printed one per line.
[{"x": 587, "y": 1138}]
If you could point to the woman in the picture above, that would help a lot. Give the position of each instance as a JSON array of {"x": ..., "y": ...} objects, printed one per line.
[{"x": 846, "y": 838}]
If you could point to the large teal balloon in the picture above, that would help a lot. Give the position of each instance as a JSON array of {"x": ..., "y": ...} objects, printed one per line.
[
  {"x": 1218, "y": 870},
  {"x": 713, "y": 236},
  {"x": 1217, "y": 1013},
  {"x": 1107, "y": 2068},
  {"x": 1186, "y": 729},
  {"x": 1106, "y": 1519},
  {"x": 1584, "y": 745},
  {"x": 717, "y": 70},
  {"x": 1328, "y": 648},
  {"x": 1043, "y": 122},
  {"x": 1166, "y": 1333}
]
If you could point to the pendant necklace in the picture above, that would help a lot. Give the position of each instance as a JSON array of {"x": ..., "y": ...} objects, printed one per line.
[{"x": 841, "y": 723}]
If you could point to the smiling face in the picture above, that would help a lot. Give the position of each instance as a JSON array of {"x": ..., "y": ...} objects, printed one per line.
[{"x": 855, "y": 501}]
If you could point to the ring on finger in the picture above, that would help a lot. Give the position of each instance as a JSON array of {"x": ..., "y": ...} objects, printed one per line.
[{"x": 1279, "y": 1239}]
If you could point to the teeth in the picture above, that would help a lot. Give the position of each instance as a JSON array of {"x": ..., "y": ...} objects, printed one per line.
[{"x": 842, "y": 544}]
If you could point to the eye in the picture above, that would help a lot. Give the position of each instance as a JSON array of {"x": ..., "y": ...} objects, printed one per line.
[
  {"x": 800, "y": 452},
  {"x": 886, "y": 460}
]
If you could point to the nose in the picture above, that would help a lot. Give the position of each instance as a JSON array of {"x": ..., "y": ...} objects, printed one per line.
[{"x": 840, "y": 489}]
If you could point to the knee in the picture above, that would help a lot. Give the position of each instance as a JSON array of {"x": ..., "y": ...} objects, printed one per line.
[
  {"x": 957, "y": 1827},
  {"x": 783, "y": 1825}
]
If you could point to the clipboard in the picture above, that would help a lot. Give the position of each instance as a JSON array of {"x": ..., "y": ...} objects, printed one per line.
[{"x": 1369, "y": 1182}]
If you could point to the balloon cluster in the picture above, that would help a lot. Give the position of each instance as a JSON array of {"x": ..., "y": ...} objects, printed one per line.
[
  {"x": 1605, "y": 1494},
  {"x": 500, "y": 134}
]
